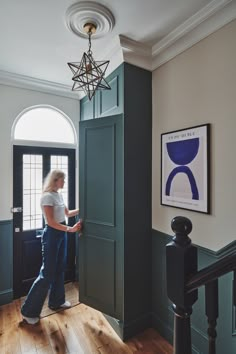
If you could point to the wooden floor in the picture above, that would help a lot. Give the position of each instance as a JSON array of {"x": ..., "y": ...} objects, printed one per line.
[{"x": 79, "y": 330}]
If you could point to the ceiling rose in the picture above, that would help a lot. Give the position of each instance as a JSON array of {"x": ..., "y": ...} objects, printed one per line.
[{"x": 78, "y": 14}]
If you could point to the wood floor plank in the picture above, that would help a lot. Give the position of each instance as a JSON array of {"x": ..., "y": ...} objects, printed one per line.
[
  {"x": 11, "y": 314},
  {"x": 149, "y": 341},
  {"x": 33, "y": 336},
  {"x": 75, "y": 319},
  {"x": 27, "y": 339},
  {"x": 104, "y": 337},
  {"x": 2, "y": 314},
  {"x": 45, "y": 350},
  {"x": 55, "y": 335},
  {"x": 10, "y": 340},
  {"x": 69, "y": 334}
]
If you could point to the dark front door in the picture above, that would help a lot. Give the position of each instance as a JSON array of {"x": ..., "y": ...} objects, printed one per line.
[
  {"x": 101, "y": 208},
  {"x": 30, "y": 166}
]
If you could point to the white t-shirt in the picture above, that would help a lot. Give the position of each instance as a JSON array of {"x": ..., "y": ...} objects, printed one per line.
[{"x": 54, "y": 199}]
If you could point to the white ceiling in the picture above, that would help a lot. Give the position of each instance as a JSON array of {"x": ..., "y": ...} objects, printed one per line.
[{"x": 35, "y": 41}]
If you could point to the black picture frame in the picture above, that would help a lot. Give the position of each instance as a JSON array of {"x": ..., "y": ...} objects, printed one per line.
[{"x": 185, "y": 174}]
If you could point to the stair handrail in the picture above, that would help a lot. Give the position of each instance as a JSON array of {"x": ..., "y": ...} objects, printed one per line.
[{"x": 212, "y": 272}]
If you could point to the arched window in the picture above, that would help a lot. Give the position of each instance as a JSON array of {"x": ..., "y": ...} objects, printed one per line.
[{"x": 45, "y": 124}]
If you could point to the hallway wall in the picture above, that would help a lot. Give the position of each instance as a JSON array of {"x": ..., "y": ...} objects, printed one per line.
[{"x": 198, "y": 87}]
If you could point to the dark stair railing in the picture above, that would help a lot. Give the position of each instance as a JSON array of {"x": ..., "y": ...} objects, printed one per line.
[{"x": 183, "y": 281}]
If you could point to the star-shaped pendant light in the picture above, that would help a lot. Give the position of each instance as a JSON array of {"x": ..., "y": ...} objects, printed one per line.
[{"x": 88, "y": 75}]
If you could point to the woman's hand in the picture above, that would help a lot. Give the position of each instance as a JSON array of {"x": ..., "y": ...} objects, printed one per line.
[{"x": 76, "y": 227}]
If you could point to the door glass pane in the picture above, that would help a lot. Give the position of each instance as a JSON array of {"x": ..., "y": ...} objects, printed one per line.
[
  {"x": 32, "y": 190},
  {"x": 61, "y": 163}
]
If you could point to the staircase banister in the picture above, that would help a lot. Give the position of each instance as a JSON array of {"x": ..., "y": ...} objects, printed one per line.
[
  {"x": 208, "y": 274},
  {"x": 183, "y": 280}
]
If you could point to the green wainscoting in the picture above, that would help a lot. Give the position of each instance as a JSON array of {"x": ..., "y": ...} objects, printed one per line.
[
  {"x": 6, "y": 262},
  {"x": 162, "y": 314}
]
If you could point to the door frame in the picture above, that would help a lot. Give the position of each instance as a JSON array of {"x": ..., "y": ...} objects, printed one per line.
[{"x": 18, "y": 151}]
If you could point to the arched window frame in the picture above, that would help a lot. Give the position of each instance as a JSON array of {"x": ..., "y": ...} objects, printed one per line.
[{"x": 39, "y": 142}]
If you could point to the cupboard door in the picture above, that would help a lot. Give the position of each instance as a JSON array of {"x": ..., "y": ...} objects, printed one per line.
[
  {"x": 110, "y": 102},
  {"x": 87, "y": 108},
  {"x": 101, "y": 208}
]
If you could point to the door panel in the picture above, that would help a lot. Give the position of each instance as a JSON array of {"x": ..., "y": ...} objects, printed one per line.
[
  {"x": 100, "y": 169},
  {"x": 100, "y": 258},
  {"x": 31, "y": 165},
  {"x": 101, "y": 200}
]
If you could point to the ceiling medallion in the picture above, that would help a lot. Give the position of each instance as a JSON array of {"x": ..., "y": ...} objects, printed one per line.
[{"x": 85, "y": 12}]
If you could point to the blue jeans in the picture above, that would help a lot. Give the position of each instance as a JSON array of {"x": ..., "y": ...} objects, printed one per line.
[{"x": 51, "y": 275}]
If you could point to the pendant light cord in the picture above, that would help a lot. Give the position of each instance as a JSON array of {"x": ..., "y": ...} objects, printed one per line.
[{"x": 89, "y": 50}]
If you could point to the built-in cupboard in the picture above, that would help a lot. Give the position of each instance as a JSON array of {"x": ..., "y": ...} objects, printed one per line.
[{"x": 115, "y": 145}]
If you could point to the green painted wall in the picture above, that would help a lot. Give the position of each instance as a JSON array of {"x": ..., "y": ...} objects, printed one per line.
[
  {"x": 6, "y": 262},
  {"x": 162, "y": 313}
]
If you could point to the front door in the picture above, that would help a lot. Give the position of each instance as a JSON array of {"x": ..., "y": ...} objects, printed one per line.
[
  {"x": 30, "y": 166},
  {"x": 101, "y": 194}
]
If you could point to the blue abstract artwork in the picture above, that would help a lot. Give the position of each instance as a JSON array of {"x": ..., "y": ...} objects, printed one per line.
[
  {"x": 183, "y": 153},
  {"x": 185, "y": 169}
]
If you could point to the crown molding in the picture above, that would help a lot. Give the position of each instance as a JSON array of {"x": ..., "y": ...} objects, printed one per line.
[
  {"x": 30, "y": 83},
  {"x": 205, "y": 22},
  {"x": 114, "y": 53},
  {"x": 123, "y": 49},
  {"x": 136, "y": 53},
  {"x": 187, "y": 26}
]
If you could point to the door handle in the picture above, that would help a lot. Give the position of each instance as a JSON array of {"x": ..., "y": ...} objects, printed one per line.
[{"x": 16, "y": 210}]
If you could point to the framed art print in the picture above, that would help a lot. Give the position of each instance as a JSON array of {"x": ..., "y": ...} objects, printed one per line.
[{"x": 185, "y": 168}]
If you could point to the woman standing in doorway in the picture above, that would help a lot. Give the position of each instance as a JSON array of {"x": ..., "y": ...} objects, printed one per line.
[{"x": 54, "y": 250}]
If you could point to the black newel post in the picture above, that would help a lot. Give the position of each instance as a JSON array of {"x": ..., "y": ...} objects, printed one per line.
[{"x": 181, "y": 263}]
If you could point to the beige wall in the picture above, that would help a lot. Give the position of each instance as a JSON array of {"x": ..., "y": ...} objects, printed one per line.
[
  {"x": 197, "y": 87},
  {"x": 12, "y": 102}
]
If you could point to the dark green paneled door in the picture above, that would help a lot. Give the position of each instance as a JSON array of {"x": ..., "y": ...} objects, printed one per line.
[{"x": 101, "y": 207}]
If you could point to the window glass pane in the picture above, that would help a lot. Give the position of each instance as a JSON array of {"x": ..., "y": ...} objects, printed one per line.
[
  {"x": 26, "y": 224},
  {"x": 26, "y": 204},
  {"x": 53, "y": 160},
  {"x": 61, "y": 163},
  {"x": 38, "y": 159},
  {"x": 44, "y": 124},
  {"x": 38, "y": 222},
  {"x": 26, "y": 179},
  {"x": 32, "y": 189},
  {"x": 38, "y": 176},
  {"x": 26, "y": 158},
  {"x": 32, "y": 178}
]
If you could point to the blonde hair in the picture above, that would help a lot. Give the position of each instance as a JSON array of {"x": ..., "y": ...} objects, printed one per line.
[{"x": 51, "y": 179}]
